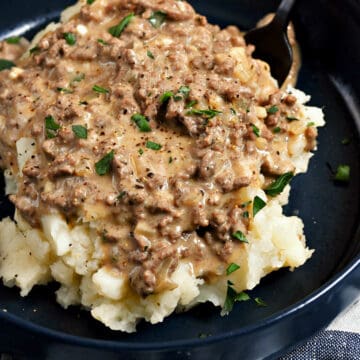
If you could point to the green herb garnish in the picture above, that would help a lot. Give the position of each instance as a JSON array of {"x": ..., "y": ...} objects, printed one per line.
[
  {"x": 102, "y": 42},
  {"x": 231, "y": 268},
  {"x": 64, "y": 90},
  {"x": 102, "y": 167},
  {"x": 89, "y": 2},
  {"x": 184, "y": 91},
  {"x": 150, "y": 54},
  {"x": 276, "y": 130},
  {"x": 260, "y": 302},
  {"x": 245, "y": 214},
  {"x": 232, "y": 110},
  {"x": 6, "y": 64},
  {"x": 117, "y": 30},
  {"x": 256, "y": 130},
  {"x": 13, "y": 40},
  {"x": 51, "y": 127},
  {"x": 239, "y": 235},
  {"x": 231, "y": 297},
  {"x": 157, "y": 18},
  {"x": 170, "y": 159},
  {"x": 209, "y": 114},
  {"x": 278, "y": 185},
  {"x": 100, "y": 89},
  {"x": 310, "y": 124},
  {"x": 166, "y": 96},
  {"x": 190, "y": 104},
  {"x": 121, "y": 195},
  {"x": 141, "y": 122},
  {"x": 342, "y": 173},
  {"x": 80, "y": 131},
  {"x": 258, "y": 205},
  {"x": 272, "y": 110},
  {"x": 291, "y": 118},
  {"x": 153, "y": 145},
  {"x": 70, "y": 38},
  {"x": 140, "y": 151},
  {"x": 34, "y": 50}
]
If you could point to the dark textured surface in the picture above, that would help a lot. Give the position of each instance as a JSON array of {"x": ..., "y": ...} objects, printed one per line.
[{"x": 299, "y": 303}]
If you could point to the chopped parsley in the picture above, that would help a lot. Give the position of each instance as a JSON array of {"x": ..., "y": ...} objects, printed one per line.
[
  {"x": 34, "y": 50},
  {"x": 140, "y": 151},
  {"x": 239, "y": 235},
  {"x": 51, "y": 127},
  {"x": 64, "y": 90},
  {"x": 232, "y": 110},
  {"x": 153, "y": 145},
  {"x": 166, "y": 96},
  {"x": 100, "y": 89},
  {"x": 117, "y": 30},
  {"x": 258, "y": 205},
  {"x": 13, "y": 40},
  {"x": 184, "y": 91},
  {"x": 256, "y": 130},
  {"x": 276, "y": 130},
  {"x": 102, "y": 167},
  {"x": 245, "y": 204},
  {"x": 150, "y": 54},
  {"x": 272, "y": 110},
  {"x": 6, "y": 64},
  {"x": 260, "y": 302},
  {"x": 80, "y": 131},
  {"x": 70, "y": 38},
  {"x": 245, "y": 214},
  {"x": 102, "y": 42},
  {"x": 291, "y": 118},
  {"x": 170, "y": 159},
  {"x": 190, "y": 104},
  {"x": 279, "y": 184},
  {"x": 231, "y": 297},
  {"x": 231, "y": 268},
  {"x": 342, "y": 173},
  {"x": 209, "y": 114},
  {"x": 157, "y": 18},
  {"x": 141, "y": 122},
  {"x": 89, "y": 2},
  {"x": 310, "y": 124}
]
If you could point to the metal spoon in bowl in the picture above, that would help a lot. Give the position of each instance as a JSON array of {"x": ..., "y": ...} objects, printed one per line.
[{"x": 272, "y": 43}]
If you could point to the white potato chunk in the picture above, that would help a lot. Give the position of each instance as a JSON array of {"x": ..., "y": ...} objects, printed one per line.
[{"x": 109, "y": 283}]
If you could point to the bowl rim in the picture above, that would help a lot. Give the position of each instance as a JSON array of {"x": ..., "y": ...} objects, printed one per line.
[{"x": 293, "y": 310}]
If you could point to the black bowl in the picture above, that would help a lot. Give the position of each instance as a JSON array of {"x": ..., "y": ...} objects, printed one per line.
[{"x": 299, "y": 303}]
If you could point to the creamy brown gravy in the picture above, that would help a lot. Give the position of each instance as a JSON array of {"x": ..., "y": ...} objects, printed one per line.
[{"x": 154, "y": 207}]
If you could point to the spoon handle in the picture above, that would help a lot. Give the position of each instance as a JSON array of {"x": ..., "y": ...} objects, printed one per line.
[{"x": 282, "y": 16}]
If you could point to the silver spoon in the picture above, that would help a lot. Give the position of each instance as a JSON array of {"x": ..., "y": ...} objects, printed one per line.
[{"x": 272, "y": 43}]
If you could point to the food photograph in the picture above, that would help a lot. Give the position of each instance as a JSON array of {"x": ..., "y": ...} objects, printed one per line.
[{"x": 180, "y": 179}]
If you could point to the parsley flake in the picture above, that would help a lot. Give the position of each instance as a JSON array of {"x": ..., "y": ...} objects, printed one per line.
[
  {"x": 191, "y": 104},
  {"x": 157, "y": 18},
  {"x": 80, "y": 131},
  {"x": 231, "y": 297},
  {"x": 64, "y": 90},
  {"x": 117, "y": 30},
  {"x": 51, "y": 127},
  {"x": 89, "y": 2},
  {"x": 141, "y": 122},
  {"x": 342, "y": 173},
  {"x": 34, "y": 50},
  {"x": 102, "y": 167},
  {"x": 6, "y": 64},
  {"x": 150, "y": 54},
  {"x": 260, "y": 302},
  {"x": 231, "y": 268},
  {"x": 291, "y": 118},
  {"x": 310, "y": 124},
  {"x": 70, "y": 38},
  {"x": 279, "y": 184},
  {"x": 166, "y": 96},
  {"x": 239, "y": 235},
  {"x": 100, "y": 89},
  {"x": 153, "y": 145},
  {"x": 13, "y": 40},
  {"x": 258, "y": 205},
  {"x": 272, "y": 110},
  {"x": 209, "y": 114},
  {"x": 140, "y": 151},
  {"x": 256, "y": 130},
  {"x": 276, "y": 130},
  {"x": 102, "y": 42}
]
